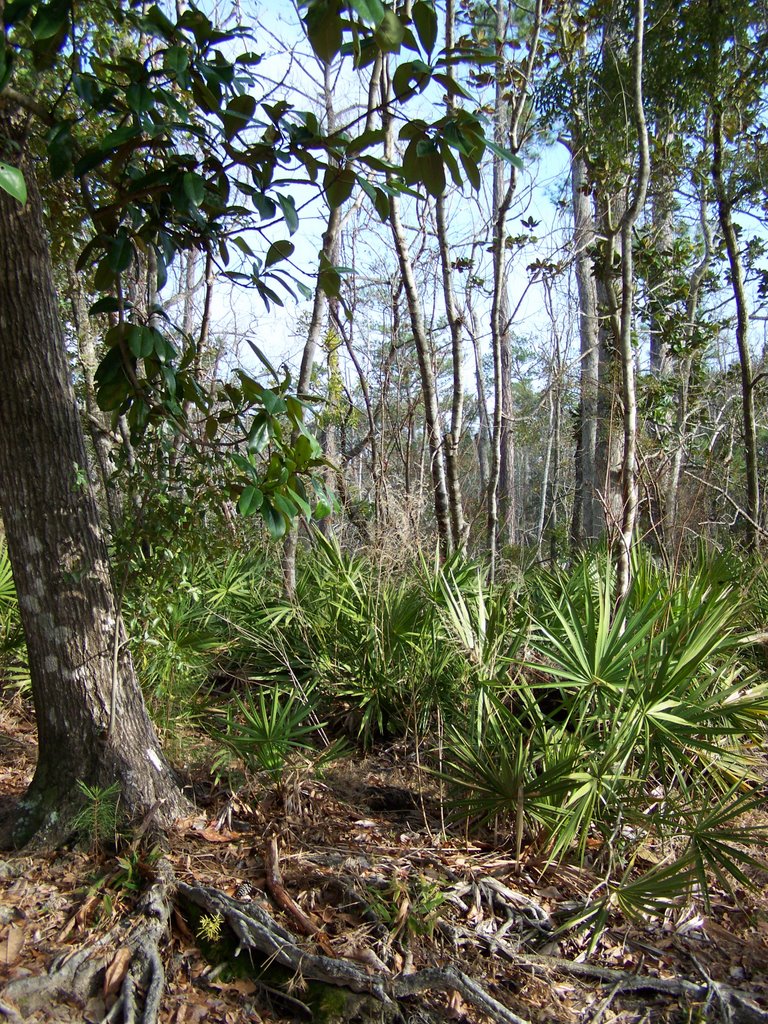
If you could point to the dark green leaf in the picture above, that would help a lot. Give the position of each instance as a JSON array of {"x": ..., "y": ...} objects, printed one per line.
[
  {"x": 238, "y": 114},
  {"x": 60, "y": 151},
  {"x": 280, "y": 250},
  {"x": 258, "y": 435},
  {"x": 432, "y": 171},
  {"x": 301, "y": 503},
  {"x": 505, "y": 154},
  {"x": 156, "y": 20},
  {"x": 139, "y": 98},
  {"x": 50, "y": 20},
  {"x": 285, "y": 505},
  {"x": 176, "y": 60},
  {"x": 451, "y": 86},
  {"x": 16, "y": 10},
  {"x": 410, "y": 78},
  {"x": 12, "y": 182},
  {"x": 250, "y": 501},
  {"x": 425, "y": 19},
  {"x": 276, "y": 524},
  {"x": 141, "y": 341},
  {"x": 109, "y": 304},
  {"x": 471, "y": 170},
  {"x": 370, "y": 12},
  {"x": 194, "y": 188},
  {"x": 329, "y": 278},
  {"x": 265, "y": 207},
  {"x": 382, "y": 205},
  {"x": 338, "y": 184},
  {"x": 274, "y": 404},
  {"x": 288, "y": 206},
  {"x": 119, "y": 254},
  {"x": 324, "y": 28},
  {"x": 389, "y": 35}
]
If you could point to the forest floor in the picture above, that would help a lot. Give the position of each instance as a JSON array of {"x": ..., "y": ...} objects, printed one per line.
[{"x": 371, "y": 876}]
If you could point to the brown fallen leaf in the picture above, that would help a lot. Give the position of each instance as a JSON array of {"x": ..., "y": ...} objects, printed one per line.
[
  {"x": 116, "y": 972},
  {"x": 11, "y": 944},
  {"x": 213, "y": 835},
  {"x": 80, "y": 919}
]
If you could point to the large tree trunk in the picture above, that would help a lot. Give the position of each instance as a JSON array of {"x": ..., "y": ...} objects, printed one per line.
[{"x": 91, "y": 720}]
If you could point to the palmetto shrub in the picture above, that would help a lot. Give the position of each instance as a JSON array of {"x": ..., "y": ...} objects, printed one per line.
[
  {"x": 624, "y": 725},
  {"x": 14, "y": 670}
]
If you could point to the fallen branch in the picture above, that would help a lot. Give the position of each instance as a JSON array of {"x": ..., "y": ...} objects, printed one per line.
[{"x": 278, "y": 892}]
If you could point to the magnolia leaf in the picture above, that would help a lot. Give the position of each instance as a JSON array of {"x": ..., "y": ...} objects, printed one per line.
[
  {"x": 425, "y": 19},
  {"x": 280, "y": 250},
  {"x": 504, "y": 153},
  {"x": 250, "y": 501},
  {"x": 324, "y": 29},
  {"x": 288, "y": 206},
  {"x": 275, "y": 522},
  {"x": 237, "y": 115},
  {"x": 390, "y": 33},
  {"x": 411, "y": 77},
  {"x": 194, "y": 188},
  {"x": 370, "y": 12},
  {"x": 338, "y": 184},
  {"x": 12, "y": 182}
]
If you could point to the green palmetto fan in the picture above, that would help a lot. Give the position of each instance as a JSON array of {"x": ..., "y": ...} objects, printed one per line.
[
  {"x": 628, "y": 722},
  {"x": 14, "y": 669},
  {"x": 264, "y": 730}
]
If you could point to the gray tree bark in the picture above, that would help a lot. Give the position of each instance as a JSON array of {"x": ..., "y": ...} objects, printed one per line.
[
  {"x": 91, "y": 719},
  {"x": 749, "y": 426},
  {"x": 589, "y": 522}
]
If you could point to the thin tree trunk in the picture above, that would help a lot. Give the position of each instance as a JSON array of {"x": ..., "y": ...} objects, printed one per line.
[
  {"x": 424, "y": 355},
  {"x": 587, "y": 507},
  {"x": 671, "y": 526},
  {"x": 629, "y": 488},
  {"x": 508, "y": 119},
  {"x": 98, "y": 423},
  {"x": 724, "y": 210},
  {"x": 452, "y": 439}
]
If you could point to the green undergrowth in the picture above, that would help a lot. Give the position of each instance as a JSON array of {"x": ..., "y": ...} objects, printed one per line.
[{"x": 574, "y": 727}]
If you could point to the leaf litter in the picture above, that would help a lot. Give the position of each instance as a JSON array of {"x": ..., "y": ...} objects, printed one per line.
[{"x": 357, "y": 870}]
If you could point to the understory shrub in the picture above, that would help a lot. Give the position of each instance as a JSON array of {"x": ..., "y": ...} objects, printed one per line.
[{"x": 623, "y": 733}]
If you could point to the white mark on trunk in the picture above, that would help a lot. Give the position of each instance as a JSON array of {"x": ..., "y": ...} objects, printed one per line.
[
  {"x": 51, "y": 663},
  {"x": 154, "y": 758}
]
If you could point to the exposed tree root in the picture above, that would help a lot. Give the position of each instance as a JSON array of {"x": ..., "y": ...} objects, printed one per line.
[
  {"x": 76, "y": 977},
  {"x": 135, "y": 978},
  {"x": 737, "y": 1007},
  {"x": 256, "y": 930}
]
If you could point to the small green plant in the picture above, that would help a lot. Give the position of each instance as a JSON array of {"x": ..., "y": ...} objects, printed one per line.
[
  {"x": 209, "y": 928},
  {"x": 97, "y": 819},
  {"x": 133, "y": 867},
  {"x": 408, "y": 907},
  {"x": 263, "y": 731}
]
